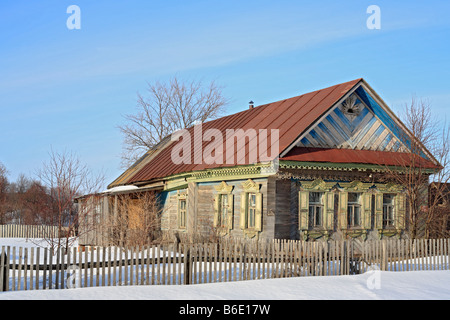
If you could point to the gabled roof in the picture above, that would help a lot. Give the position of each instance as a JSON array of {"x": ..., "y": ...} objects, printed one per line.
[{"x": 293, "y": 117}]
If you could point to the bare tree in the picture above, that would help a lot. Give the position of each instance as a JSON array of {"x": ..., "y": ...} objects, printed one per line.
[
  {"x": 414, "y": 174},
  {"x": 168, "y": 107},
  {"x": 3, "y": 192},
  {"x": 135, "y": 221},
  {"x": 64, "y": 176}
]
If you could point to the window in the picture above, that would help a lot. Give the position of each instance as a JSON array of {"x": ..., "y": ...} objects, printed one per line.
[
  {"x": 388, "y": 210},
  {"x": 223, "y": 216},
  {"x": 251, "y": 210},
  {"x": 353, "y": 210},
  {"x": 315, "y": 209},
  {"x": 182, "y": 213},
  {"x": 250, "y": 217},
  {"x": 223, "y": 208}
]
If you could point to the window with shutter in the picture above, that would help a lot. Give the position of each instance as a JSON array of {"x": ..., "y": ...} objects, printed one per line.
[
  {"x": 315, "y": 210},
  {"x": 223, "y": 208},
  {"x": 182, "y": 213},
  {"x": 251, "y": 209},
  {"x": 388, "y": 211},
  {"x": 353, "y": 210}
]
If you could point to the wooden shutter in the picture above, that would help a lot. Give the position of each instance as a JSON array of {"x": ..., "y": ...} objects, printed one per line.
[
  {"x": 400, "y": 212},
  {"x": 258, "y": 212},
  {"x": 216, "y": 209},
  {"x": 366, "y": 210},
  {"x": 343, "y": 201},
  {"x": 329, "y": 210},
  {"x": 243, "y": 213},
  {"x": 379, "y": 211},
  {"x": 230, "y": 210},
  {"x": 303, "y": 210}
]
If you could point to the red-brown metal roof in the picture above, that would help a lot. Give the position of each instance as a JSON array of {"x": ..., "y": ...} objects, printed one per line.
[
  {"x": 291, "y": 117},
  {"x": 381, "y": 158}
]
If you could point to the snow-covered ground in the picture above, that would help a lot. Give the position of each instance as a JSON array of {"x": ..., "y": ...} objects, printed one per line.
[
  {"x": 408, "y": 285},
  {"x": 414, "y": 285}
]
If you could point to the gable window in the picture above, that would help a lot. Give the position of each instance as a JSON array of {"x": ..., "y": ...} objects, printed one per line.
[
  {"x": 388, "y": 210},
  {"x": 182, "y": 214},
  {"x": 353, "y": 210},
  {"x": 315, "y": 209}
]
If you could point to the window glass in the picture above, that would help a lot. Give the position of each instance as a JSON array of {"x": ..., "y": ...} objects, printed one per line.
[
  {"x": 182, "y": 213},
  {"x": 223, "y": 209},
  {"x": 251, "y": 210},
  {"x": 315, "y": 209},
  {"x": 388, "y": 210},
  {"x": 353, "y": 210}
]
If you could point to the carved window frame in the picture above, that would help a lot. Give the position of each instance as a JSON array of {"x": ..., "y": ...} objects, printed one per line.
[
  {"x": 251, "y": 187},
  {"x": 223, "y": 190},
  {"x": 182, "y": 212}
]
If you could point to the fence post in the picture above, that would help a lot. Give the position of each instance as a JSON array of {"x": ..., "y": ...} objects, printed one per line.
[
  {"x": 3, "y": 271},
  {"x": 187, "y": 265}
]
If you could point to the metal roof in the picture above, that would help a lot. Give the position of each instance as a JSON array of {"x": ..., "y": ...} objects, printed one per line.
[{"x": 290, "y": 116}]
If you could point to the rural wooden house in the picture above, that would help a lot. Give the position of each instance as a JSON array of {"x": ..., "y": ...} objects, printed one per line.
[{"x": 323, "y": 174}]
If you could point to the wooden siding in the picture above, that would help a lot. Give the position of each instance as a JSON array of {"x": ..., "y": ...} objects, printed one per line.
[{"x": 200, "y": 214}]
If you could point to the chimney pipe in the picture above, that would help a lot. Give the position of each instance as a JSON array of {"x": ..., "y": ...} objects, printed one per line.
[{"x": 250, "y": 105}]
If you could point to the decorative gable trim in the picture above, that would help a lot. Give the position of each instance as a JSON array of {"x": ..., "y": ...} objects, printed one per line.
[
  {"x": 352, "y": 125},
  {"x": 250, "y": 186},
  {"x": 223, "y": 188}
]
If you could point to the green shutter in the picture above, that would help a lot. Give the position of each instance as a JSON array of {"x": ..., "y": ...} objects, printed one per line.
[
  {"x": 303, "y": 210},
  {"x": 258, "y": 212},
  {"x": 379, "y": 211},
  {"x": 216, "y": 209},
  {"x": 230, "y": 210},
  {"x": 329, "y": 210},
  {"x": 400, "y": 213},
  {"x": 343, "y": 201},
  {"x": 367, "y": 210},
  {"x": 243, "y": 213}
]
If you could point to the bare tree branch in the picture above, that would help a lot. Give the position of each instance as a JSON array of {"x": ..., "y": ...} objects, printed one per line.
[
  {"x": 66, "y": 177},
  {"x": 165, "y": 108}
]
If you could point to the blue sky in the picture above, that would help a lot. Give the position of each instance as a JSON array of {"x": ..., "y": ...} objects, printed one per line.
[{"x": 69, "y": 89}]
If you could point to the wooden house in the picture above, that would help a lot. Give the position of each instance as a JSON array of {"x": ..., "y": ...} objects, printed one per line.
[{"x": 322, "y": 175}]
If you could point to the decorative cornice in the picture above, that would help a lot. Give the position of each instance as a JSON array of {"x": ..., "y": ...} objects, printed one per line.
[
  {"x": 331, "y": 166},
  {"x": 223, "y": 188},
  {"x": 389, "y": 187},
  {"x": 250, "y": 186},
  {"x": 356, "y": 186},
  {"x": 317, "y": 184}
]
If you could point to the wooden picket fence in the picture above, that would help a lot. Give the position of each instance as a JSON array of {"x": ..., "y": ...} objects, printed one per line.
[
  {"x": 28, "y": 231},
  {"x": 232, "y": 260}
]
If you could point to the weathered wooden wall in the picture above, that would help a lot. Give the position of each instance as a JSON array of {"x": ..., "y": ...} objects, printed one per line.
[{"x": 200, "y": 204}]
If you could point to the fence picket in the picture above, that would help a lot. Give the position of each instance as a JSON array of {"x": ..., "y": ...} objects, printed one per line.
[{"x": 229, "y": 260}]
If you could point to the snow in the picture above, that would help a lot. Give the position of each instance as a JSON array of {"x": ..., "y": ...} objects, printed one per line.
[
  {"x": 372, "y": 285},
  {"x": 413, "y": 285},
  {"x": 120, "y": 188}
]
